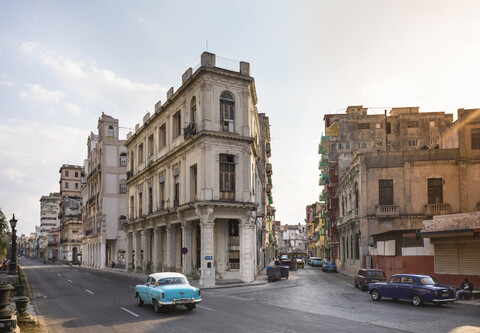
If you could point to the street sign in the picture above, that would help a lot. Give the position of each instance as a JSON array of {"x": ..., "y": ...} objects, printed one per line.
[
  {"x": 208, "y": 257},
  {"x": 184, "y": 250}
]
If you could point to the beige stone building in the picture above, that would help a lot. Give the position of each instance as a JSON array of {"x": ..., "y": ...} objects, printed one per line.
[
  {"x": 104, "y": 210},
  {"x": 387, "y": 197},
  {"x": 195, "y": 178},
  {"x": 70, "y": 215}
]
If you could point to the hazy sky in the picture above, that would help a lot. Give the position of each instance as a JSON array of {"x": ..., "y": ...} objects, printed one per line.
[{"x": 63, "y": 63}]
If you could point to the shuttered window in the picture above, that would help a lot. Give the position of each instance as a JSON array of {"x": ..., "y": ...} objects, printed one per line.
[{"x": 462, "y": 259}]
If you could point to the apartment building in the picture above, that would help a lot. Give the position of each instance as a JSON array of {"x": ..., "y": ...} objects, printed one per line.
[
  {"x": 49, "y": 210},
  {"x": 292, "y": 239},
  {"x": 194, "y": 183},
  {"x": 388, "y": 197},
  {"x": 68, "y": 241},
  {"x": 104, "y": 209}
]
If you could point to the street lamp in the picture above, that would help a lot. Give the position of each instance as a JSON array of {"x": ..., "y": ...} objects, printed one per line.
[{"x": 12, "y": 266}]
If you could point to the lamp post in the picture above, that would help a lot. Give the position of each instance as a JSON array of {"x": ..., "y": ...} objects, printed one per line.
[{"x": 12, "y": 266}]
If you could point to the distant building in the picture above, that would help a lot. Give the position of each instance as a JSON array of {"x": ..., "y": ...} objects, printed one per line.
[
  {"x": 49, "y": 210},
  {"x": 70, "y": 214},
  {"x": 104, "y": 211},
  {"x": 292, "y": 239}
]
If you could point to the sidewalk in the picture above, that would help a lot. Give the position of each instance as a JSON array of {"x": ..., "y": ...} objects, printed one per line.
[{"x": 473, "y": 301}]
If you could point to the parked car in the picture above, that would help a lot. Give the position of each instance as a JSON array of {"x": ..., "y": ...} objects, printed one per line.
[
  {"x": 329, "y": 266},
  {"x": 300, "y": 262},
  {"x": 167, "y": 289},
  {"x": 286, "y": 261},
  {"x": 365, "y": 276},
  {"x": 414, "y": 287},
  {"x": 316, "y": 261}
]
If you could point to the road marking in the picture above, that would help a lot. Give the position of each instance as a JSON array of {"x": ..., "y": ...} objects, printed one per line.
[
  {"x": 132, "y": 287},
  {"x": 204, "y": 307},
  {"x": 70, "y": 281},
  {"x": 88, "y": 291},
  {"x": 132, "y": 313},
  {"x": 59, "y": 274}
]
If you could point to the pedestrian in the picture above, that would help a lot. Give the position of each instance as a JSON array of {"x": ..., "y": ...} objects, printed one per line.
[{"x": 465, "y": 290}]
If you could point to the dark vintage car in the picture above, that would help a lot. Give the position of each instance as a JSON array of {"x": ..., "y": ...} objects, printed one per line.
[
  {"x": 414, "y": 287},
  {"x": 286, "y": 261},
  {"x": 365, "y": 276}
]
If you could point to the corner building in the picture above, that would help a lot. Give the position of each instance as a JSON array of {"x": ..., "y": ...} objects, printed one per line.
[{"x": 195, "y": 182}]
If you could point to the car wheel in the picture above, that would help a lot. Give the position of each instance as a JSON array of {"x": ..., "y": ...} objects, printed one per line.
[
  {"x": 376, "y": 295},
  {"x": 190, "y": 307},
  {"x": 139, "y": 300},
  {"x": 416, "y": 300},
  {"x": 156, "y": 307},
  {"x": 355, "y": 283}
]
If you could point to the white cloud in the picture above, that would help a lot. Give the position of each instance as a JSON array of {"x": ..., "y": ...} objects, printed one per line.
[
  {"x": 16, "y": 176},
  {"x": 27, "y": 47},
  {"x": 73, "y": 109},
  {"x": 6, "y": 83},
  {"x": 39, "y": 94}
]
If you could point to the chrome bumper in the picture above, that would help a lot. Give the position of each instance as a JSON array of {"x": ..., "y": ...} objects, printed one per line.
[
  {"x": 181, "y": 301},
  {"x": 444, "y": 300}
]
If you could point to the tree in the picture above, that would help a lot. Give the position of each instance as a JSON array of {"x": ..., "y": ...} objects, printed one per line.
[{"x": 4, "y": 235}]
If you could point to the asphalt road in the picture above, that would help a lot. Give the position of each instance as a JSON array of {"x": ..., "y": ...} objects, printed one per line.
[{"x": 75, "y": 299}]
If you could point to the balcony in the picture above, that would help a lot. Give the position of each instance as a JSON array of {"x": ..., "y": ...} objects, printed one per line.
[
  {"x": 92, "y": 199},
  {"x": 324, "y": 178},
  {"x": 387, "y": 211},
  {"x": 190, "y": 129},
  {"x": 324, "y": 195},
  {"x": 94, "y": 171},
  {"x": 322, "y": 164},
  {"x": 129, "y": 174},
  {"x": 270, "y": 200},
  {"x": 268, "y": 169},
  {"x": 268, "y": 150},
  {"x": 437, "y": 209},
  {"x": 321, "y": 149},
  {"x": 268, "y": 189}
]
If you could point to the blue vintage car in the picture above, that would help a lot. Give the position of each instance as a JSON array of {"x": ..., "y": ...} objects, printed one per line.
[
  {"x": 167, "y": 289},
  {"x": 329, "y": 266},
  {"x": 414, "y": 287}
]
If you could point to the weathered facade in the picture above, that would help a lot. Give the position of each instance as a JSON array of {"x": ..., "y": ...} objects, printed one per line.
[
  {"x": 386, "y": 196},
  {"x": 292, "y": 239},
  {"x": 49, "y": 210},
  {"x": 196, "y": 188},
  {"x": 70, "y": 214},
  {"x": 104, "y": 210}
]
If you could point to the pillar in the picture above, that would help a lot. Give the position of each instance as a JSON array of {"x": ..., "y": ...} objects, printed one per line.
[
  {"x": 186, "y": 243},
  {"x": 157, "y": 249},
  {"x": 128, "y": 259},
  {"x": 207, "y": 268},
  {"x": 247, "y": 248},
  {"x": 147, "y": 245},
  {"x": 138, "y": 252}
]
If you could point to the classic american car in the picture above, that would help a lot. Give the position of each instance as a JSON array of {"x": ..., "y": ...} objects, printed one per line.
[
  {"x": 329, "y": 266},
  {"x": 414, "y": 287},
  {"x": 366, "y": 276},
  {"x": 167, "y": 289},
  {"x": 316, "y": 261}
]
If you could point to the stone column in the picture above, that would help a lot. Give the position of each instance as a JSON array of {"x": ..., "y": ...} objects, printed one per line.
[
  {"x": 147, "y": 245},
  {"x": 128, "y": 259},
  {"x": 247, "y": 248},
  {"x": 157, "y": 249},
  {"x": 186, "y": 243},
  {"x": 138, "y": 252},
  {"x": 103, "y": 254},
  {"x": 207, "y": 268},
  {"x": 171, "y": 229}
]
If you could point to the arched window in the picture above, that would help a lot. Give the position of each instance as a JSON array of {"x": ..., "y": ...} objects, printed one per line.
[
  {"x": 110, "y": 131},
  {"x": 122, "y": 186},
  {"x": 227, "y": 112},
  {"x": 193, "y": 110}
]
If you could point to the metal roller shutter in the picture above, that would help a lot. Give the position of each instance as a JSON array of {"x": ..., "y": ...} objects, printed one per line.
[
  {"x": 446, "y": 258},
  {"x": 463, "y": 259}
]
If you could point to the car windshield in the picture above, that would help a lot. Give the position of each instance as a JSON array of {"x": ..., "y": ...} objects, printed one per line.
[
  {"x": 376, "y": 274},
  {"x": 172, "y": 280},
  {"x": 428, "y": 281},
  {"x": 284, "y": 257},
  {"x": 330, "y": 262}
]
